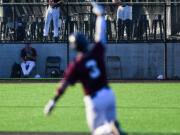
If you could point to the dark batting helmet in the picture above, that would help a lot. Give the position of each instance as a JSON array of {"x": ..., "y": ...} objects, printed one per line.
[{"x": 78, "y": 42}]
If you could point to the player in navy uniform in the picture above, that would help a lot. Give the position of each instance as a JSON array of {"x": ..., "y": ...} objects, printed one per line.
[{"x": 89, "y": 68}]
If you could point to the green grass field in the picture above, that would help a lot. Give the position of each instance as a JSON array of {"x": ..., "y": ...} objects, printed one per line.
[{"x": 145, "y": 108}]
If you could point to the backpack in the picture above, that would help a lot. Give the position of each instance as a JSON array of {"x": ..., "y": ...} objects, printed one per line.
[{"x": 16, "y": 71}]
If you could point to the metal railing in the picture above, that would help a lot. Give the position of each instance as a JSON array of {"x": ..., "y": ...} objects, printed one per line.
[{"x": 151, "y": 21}]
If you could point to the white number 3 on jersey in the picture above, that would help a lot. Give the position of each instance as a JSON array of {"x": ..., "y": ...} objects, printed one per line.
[{"x": 95, "y": 72}]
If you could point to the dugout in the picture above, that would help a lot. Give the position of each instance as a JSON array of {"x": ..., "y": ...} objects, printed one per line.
[{"x": 137, "y": 60}]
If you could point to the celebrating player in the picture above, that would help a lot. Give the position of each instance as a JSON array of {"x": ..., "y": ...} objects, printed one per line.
[{"x": 89, "y": 69}]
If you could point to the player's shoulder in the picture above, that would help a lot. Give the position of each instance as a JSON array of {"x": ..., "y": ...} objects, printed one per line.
[
  {"x": 23, "y": 50},
  {"x": 100, "y": 45},
  {"x": 97, "y": 49},
  {"x": 71, "y": 67},
  {"x": 75, "y": 62}
]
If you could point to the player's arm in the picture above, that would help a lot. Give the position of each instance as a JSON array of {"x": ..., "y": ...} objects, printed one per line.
[
  {"x": 70, "y": 78},
  {"x": 34, "y": 54},
  {"x": 23, "y": 56},
  {"x": 59, "y": 92},
  {"x": 33, "y": 58},
  {"x": 23, "y": 59},
  {"x": 100, "y": 28}
]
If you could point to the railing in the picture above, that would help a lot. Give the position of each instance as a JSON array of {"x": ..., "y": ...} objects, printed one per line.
[{"x": 151, "y": 21}]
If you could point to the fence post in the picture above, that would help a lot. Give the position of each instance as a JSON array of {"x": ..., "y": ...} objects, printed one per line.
[
  {"x": 67, "y": 26},
  {"x": 165, "y": 41},
  {"x": 91, "y": 22},
  {"x": 14, "y": 25}
]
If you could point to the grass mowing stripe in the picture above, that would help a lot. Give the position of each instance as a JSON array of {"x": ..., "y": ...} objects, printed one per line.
[
  {"x": 141, "y": 108},
  {"x": 123, "y": 107}
]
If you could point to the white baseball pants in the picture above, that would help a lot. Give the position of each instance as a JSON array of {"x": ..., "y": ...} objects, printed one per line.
[
  {"x": 101, "y": 109},
  {"x": 30, "y": 64},
  {"x": 52, "y": 13}
]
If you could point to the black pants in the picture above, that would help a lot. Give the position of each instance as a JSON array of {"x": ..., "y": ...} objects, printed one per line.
[
  {"x": 120, "y": 29},
  {"x": 122, "y": 24},
  {"x": 128, "y": 28}
]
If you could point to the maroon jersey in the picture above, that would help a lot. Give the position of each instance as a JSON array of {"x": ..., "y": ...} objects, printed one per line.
[{"x": 88, "y": 69}]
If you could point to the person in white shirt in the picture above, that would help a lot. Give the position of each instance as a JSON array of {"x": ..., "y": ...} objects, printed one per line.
[
  {"x": 120, "y": 19},
  {"x": 52, "y": 13},
  {"x": 128, "y": 19},
  {"x": 124, "y": 19}
]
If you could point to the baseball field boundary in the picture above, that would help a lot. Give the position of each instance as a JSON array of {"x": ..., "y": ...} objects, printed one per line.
[
  {"x": 56, "y": 80},
  {"x": 40, "y": 133}
]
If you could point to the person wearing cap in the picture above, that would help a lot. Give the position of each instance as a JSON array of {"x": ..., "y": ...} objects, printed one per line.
[
  {"x": 89, "y": 69},
  {"x": 28, "y": 57}
]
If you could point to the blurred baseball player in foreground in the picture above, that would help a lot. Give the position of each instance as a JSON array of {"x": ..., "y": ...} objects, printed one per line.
[{"x": 89, "y": 69}]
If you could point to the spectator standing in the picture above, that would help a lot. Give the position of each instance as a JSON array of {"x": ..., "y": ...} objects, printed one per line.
[
  {"x": 28, "y": 57},
  {"x": 120, "y": 19},
  {"x": 89, "y": 68},
  {"x": 128, "y": 19},
  {"x": 124, "y": 18},
  {"x": 52, "y": 13}
]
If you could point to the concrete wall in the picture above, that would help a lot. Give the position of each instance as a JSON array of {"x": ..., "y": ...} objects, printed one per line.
[
  {"x": 10, "y": 53},
  {"x": 173, "y": 60},
  {"x": 137, "y": 60}
]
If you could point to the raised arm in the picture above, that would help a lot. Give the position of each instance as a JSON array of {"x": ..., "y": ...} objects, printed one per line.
[{"x": 100, "y": 28}]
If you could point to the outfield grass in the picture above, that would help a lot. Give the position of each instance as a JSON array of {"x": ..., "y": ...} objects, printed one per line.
[{"x": 142, "y": 108}]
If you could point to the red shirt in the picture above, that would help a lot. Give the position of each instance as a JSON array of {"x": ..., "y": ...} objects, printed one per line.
[{"x": 89, "y": 70}]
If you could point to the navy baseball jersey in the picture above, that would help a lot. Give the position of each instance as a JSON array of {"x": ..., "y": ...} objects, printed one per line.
[{"x": 89, "y": 69}]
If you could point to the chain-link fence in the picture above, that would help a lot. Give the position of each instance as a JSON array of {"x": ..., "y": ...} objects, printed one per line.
[{"x": 148, "y": 21}]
